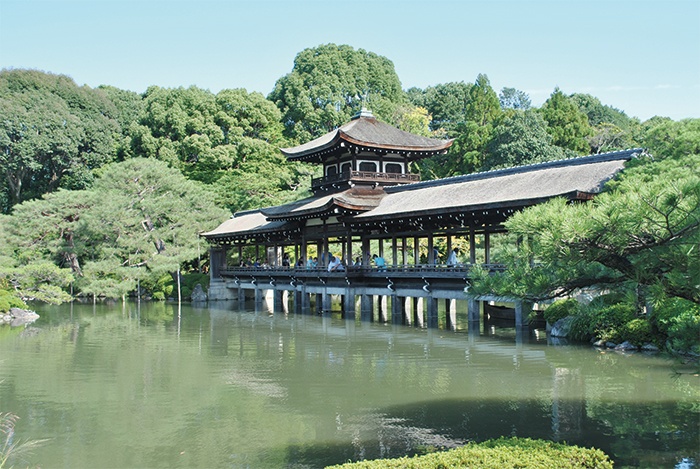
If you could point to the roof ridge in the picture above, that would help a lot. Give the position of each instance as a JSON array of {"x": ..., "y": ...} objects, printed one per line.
[{"x": 575, "y": 161}]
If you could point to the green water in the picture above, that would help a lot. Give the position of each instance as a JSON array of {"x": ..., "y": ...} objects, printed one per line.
[{"x": 143, "y": 387}]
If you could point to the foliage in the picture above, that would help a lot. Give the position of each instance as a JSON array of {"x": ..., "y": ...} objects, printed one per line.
[
  {"x": 521, "y": 138},
  {"x": 141, "y": 219},
  {"x": 498, "y": 454},
  {"x": 188, "y": 282},
  {"x": 148, "y": 222},
  {"x": 567, "y": 125},
  {"x": 446, "y": 103},
  {"x": 510, "y": 98},
  {"x": 679, "y": 321},
  {"x": 10, "y": 449},
  {"x": 561, "y": 309},
  {"x": 52, "y": 134},
  {"x": 638, "y": 332},
  {"x": 9, "y": 297},
  {"x": 644, "y": 230},
  {"x": 605, "y": 323},
  {"x": 330, "y": 83},
  {"x": 669, "y": 139}
]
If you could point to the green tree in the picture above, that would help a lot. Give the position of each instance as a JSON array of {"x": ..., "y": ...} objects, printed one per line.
[
  {"x": 446, "y": 103},
  {"x": 147, "y": 222},
  {"x": 52, "y": 134},
  {"x": 468, "y": 153},
  {"x": 566, "y": 123},
  {"x": 670, "y": 139},
  {"x": 330, "y": 83},
  {"x": 510, "y": 98},
  {"x": 521, "y": 138},
  {"x": 641, "y": 234}
]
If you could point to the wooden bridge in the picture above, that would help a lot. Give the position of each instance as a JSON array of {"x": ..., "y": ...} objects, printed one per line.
[{"x": 401, "y": 294}]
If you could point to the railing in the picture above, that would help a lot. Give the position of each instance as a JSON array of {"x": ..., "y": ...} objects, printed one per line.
[
  {"x": 364, "y": 176},
  {"x": 403, "y": 270}
]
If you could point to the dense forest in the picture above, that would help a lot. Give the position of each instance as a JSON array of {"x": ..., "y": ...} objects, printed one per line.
[{"x": 105, "y": 189}]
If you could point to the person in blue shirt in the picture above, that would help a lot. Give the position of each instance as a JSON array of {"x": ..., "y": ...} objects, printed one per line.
[{"x": 379, "y": 262}]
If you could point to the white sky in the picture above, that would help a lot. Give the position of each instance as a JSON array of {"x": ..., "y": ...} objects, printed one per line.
[{"x": 640, "y": 56}]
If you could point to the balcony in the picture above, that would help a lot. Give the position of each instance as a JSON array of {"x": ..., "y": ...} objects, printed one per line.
[{"x": 362, "y": 177}]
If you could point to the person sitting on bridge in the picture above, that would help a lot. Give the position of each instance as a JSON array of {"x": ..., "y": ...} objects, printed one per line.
[
  {"x": 379, "y": 262},
  {"x": 335, "y": 265},
  {"x": 452, "y": 260}
]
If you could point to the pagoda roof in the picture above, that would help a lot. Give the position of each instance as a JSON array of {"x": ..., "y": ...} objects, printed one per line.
[
  {"x": 348, "y": 201},
  {"x": 250, "y": 223},
  {"x": 365, "y": 132},
  {"x": 516, "y": 187}
]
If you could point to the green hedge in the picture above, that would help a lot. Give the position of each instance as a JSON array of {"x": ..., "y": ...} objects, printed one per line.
[{"x": 502, "y": 453}]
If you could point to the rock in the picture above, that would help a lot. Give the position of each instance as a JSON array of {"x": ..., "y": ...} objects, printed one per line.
[
  {"x": 19, "y": 317},
  {"x": 650, "y": 348},
  {"x": 599, "y": 343},
  {"x": 562, "y": 327},
  {"x": 626, "y": 346},
  {"x": 610, "y": 344},
  {"x": 198, "y": 294}
]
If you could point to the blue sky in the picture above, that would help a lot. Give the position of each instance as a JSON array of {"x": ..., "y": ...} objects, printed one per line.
[{"x": 640, "y": 56}]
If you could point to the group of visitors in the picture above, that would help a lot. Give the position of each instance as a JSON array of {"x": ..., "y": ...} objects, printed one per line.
[{"x": 336, "y": 264}]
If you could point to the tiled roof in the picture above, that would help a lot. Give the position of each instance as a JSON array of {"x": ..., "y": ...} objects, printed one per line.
[
  {"x": 500, "y": 188},
  {"x": 366, "y": 131}
]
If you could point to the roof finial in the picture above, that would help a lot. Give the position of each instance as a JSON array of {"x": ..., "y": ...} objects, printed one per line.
[{"x": 364, "y": 112}]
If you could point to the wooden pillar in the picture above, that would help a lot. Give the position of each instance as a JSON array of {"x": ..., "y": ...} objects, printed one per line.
[
  {"x": 432, "y": 307},
  {"x": 349, "y": 304},
  {"x": 472, "y": 245},
  {"x": 366, "y": 255},
  {"x": 431, "y": 251},
  {"x": 417, "y": 310},
  {"x": 522, "y": 311},
  {"x": 217, "y": 262},
  {"x": 394, "y": 252},
  {"x": 487, "y": 247},
  {"x": 416, "y": 250},
  {"x": 396, "y": 310},
  {"x": 366, "y": 304}
]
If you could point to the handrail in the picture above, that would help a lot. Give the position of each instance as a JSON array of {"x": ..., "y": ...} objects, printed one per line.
[
  {"x": 366, "y": 176},
  {"x": 401, "y": 268}
]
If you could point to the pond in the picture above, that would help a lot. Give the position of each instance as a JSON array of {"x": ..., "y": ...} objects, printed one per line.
[{"x": 148, "y": 386}]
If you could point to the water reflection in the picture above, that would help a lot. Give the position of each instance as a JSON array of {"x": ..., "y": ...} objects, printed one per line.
[{"x": 152, "y": 386}]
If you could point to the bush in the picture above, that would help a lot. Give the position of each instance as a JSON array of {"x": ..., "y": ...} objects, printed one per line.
[
  {"x": 498, "y": 454},
  {"x": 561, "y": 309},
  {"x": 638, "y": 332},
  {"x": 9, "y": 299},
  {"x": 678, "y": 321},
  {"x": 600, "y": 321}
]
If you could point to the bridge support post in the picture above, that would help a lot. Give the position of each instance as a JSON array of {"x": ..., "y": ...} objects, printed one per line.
[
  {"x": 258, "y": 298},
  {"x": 305, "y": 301},
  {"x": 241, "y": 298},
  {"x": 349, "y": 304},
  {"x": 325, "y": 303},
  {"x": 297, "y": 302},
  {"x": 522, "y": 311},
  {"x": 277, "y": 300},
  {"x": 381, "y": 303},
  {"x": 451, "y": 314},
  {"x": 396, "y": 309},
  {"x": 418, "y": 312},
  {"x": 432, "y": 304},
  {"x": 474, "y": 317},
  {"x": 406, "y": 303},
  {"x": 366, "y": 307}
]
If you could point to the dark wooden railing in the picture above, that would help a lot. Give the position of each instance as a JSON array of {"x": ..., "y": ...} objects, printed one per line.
[{"x": 364, "y": 176}]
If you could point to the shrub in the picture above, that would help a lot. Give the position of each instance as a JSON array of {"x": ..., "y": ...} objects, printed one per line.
[
  {"x": 497, "y": 454},
  {"x": 561, "y": 309},
  {"x": 9, "y": 299},
  {"x": 600, "y": 321},
  {"x": 638, "y": 332},
  {"x": 678, "y": 322}
]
